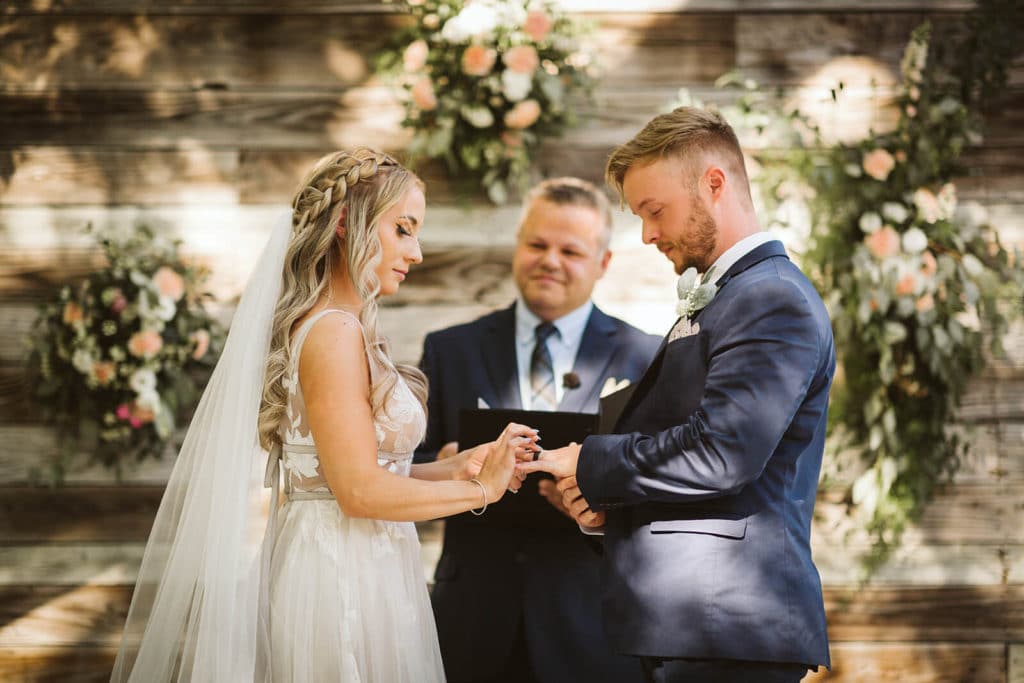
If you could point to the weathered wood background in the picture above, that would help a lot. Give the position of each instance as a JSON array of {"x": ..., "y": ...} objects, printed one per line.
[{"x": 198, "y": 117}]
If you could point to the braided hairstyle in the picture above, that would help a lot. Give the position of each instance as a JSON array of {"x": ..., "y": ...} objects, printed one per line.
[{"x": 367, "y": 183}]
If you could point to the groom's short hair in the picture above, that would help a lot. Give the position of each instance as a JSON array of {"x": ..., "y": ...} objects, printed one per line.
[
  {"x": 569, "y": 191},
  {"x": 688, "y": 133}
]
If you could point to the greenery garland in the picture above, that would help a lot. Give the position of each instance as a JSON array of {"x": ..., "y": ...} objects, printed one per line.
[{"x": 917, "y": 284}]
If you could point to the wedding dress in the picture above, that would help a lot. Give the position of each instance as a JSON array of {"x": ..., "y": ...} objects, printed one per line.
[
  {"x": 223, "y": 595},
  {"x": 348, "y": 597}
]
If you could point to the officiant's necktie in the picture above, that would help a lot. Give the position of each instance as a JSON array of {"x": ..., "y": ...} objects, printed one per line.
[{"x": 542, "y": 371}]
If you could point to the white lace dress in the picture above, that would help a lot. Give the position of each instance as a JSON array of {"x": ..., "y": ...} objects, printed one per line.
[{"x": 348, "y": 597}]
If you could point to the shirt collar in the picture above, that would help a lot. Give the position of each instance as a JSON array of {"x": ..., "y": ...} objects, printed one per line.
[
  {"x": 737, "y": 251},
  {"x": 570, "y": 326}
]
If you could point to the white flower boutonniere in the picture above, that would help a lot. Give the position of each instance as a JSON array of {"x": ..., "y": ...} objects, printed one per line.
[{"x": 694, "y": 293}]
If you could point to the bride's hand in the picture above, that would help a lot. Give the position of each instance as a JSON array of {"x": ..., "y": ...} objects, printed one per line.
[{"x": 497, "y": 460}]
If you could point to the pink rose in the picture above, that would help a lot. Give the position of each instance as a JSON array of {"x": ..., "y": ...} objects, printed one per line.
[
  {"x": 119, "y": 302},
  {"x": 929, "y": 266},
  {"x": 478, "y": 60},
  {"x": 523, "y": 115},
  {"x": 537, "y": 25},
  {"x": 927, "y": 205},
  {"x": 123, "y": 412},
  {"x": 878, "y": 164},
  {"x": 415, "y": 56},
  {"x": 72, "y": 313},
  {"x": 103, "y": 372},
  {"x": 201, "y": 338},
  {"x": 145, "y": 344},
  {"x": 169, "y": 284},
  {"x": 925, "y": 303},
  {"x": 521, "y": 59},
  {"x": 423, "y": 94},
  {"x": 883, "y": 243},
  {"x": 906, "y": 285}
]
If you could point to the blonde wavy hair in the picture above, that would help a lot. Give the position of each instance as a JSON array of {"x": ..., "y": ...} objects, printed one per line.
[{"x": 365, "y": 183}]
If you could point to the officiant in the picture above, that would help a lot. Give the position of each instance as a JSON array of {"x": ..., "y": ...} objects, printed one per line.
[{"x": 515, "y": 592}]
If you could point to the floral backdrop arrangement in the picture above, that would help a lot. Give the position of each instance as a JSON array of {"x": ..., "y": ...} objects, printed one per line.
[
  {"x": 117, "y": 360},
  {"x": 485, "y": 80},
  {"x": 917, "y": 283}
]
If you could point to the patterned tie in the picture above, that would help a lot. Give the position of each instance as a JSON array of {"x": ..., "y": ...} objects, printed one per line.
[{"x": 542, "y": 371}]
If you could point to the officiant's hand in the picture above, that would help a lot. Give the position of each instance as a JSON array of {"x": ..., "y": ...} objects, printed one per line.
[{"x": 561, "y": 462}]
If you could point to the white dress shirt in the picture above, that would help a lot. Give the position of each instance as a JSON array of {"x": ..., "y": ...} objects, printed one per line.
[
  {"x": 562, "y": 345},
  {"x": 737, "y": 251}
]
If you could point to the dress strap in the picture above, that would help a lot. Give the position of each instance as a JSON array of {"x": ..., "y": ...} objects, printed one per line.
[{"x": 295, "y": 346}]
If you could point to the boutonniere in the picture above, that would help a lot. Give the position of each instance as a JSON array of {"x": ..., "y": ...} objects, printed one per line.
[
  {"x": 694, "y": 292},
  {"x": 570, "y": 380}
]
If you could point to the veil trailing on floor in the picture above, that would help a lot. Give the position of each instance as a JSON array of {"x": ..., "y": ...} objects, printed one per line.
[{"x": 199, "y": 608}]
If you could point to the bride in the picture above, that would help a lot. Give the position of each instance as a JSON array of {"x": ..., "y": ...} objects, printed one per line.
[{"x": 332, "y": 587}]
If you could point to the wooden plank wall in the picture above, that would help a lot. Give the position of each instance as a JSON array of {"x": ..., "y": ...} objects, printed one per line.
[{"x": 198, "y": 117}]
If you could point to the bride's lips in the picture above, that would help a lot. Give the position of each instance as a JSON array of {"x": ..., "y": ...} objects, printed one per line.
[{"x": 400, "y": 273}]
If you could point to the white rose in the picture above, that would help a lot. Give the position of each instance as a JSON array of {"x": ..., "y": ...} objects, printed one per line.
[
  {"x": 83, "y": 361},
  {"x": 476, "y": 20},
  {"x": 478, "y": 117},
  {"x": 895, "y": 212},
  {"x": 914, "y": 241},
  {"x": 149, "y": 400},
  {"x": 142, "y": 381},
  {"x": 515, "y": 85},
  {"x": 870, "y": 222},
  {"x": 165, "y": 308}
]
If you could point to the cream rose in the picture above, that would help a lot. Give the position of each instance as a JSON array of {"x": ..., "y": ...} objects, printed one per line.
[
  {"x": 169, "y": 284},
  {"x": 883, "y": 243},
  {"x": 145, "y": 344},
  {"x": 521, "y": 58},
  {"x": 415, "y": 56},
  {"x": 478, "y": 60},
  {"x": 423, "y": 94},
  {"x": 878, "y": 164},
  {"x": 523, "y": 115}
]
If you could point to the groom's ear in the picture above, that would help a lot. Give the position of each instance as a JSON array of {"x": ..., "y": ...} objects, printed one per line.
[{"x": 714, "y": 180}]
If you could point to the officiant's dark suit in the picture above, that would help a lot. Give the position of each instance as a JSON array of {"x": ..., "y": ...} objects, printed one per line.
[{"x": 515, "y": 593}]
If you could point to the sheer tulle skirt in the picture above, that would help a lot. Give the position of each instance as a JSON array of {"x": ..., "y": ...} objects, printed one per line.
[{"x": 348, "y": 600}]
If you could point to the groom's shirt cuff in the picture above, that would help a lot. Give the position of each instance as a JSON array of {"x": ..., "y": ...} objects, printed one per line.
[{"x": 592, "y": 530}]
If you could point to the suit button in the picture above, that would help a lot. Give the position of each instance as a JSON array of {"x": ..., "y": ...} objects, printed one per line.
[{"x": 520, "y": 557}]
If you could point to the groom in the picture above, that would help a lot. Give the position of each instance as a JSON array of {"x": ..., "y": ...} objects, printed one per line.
[{"x": 706, "y": 490}]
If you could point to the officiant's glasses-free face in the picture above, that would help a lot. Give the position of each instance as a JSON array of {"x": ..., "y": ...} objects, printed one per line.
[
  {"x": 560, "y": 255},
  {"x": 399, "y": 229}
]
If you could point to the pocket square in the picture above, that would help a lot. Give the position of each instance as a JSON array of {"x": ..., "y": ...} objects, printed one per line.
[
  {"x": 684, "y": 328},
  {"x": 611, "y": 386}
]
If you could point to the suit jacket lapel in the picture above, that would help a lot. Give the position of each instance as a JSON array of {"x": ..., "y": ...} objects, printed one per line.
[
  {"x": 499, "y": 355},
  {"x": 766, "y": 250},
  {"x": 596, "y": 352}
]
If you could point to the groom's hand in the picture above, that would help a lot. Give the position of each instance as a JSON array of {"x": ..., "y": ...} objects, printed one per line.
[
  {"x": 579, "y": 508},
  {"x": 560, "y": 462}
]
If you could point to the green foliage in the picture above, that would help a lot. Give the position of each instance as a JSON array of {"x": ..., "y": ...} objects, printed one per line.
[
  {"x": 916, "y": 283},
  {"x": 484, "y": 82},
  {"x": 116, "y": 361}
]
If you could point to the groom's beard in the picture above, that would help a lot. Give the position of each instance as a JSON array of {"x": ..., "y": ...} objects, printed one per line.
[{"x": 695, "y": 247}]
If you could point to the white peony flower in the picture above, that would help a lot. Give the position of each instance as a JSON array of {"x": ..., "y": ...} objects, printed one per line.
[
  {"x": 142, "y": 381},
  {"x": 870, "y": 222},
  {"x": 914, "y": 241},
  {"x": 83, "y": 360},
  {"x": 895, "y": 212},
  {"x": 476, "y": 20},
  {"x": 515, "y": 85},
  {"x": 478, "y": 116}
]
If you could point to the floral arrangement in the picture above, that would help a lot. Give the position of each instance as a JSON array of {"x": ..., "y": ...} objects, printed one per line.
[
  {"x": 918, "y": 285},
  {"x": 119, "y": 358},
  {"x": 485, "y": 80}
]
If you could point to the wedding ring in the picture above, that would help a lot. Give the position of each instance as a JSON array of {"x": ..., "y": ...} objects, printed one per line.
[{"x": 536, "y": 456}]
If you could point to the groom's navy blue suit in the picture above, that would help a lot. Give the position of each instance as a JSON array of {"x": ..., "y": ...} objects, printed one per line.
[
  {"x": 522, "y": 562},
  {"x": 709, "y": 482}
]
